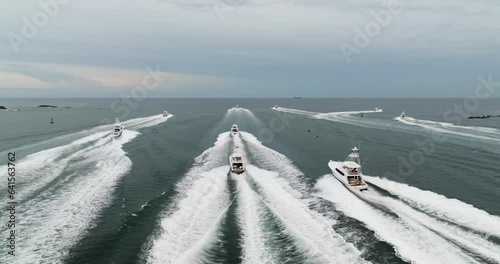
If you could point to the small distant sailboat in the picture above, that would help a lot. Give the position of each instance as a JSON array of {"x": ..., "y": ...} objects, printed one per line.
[
  {"x": 349, "y": 172},
  {"x": 52, "y": 120},
  {"x": 118, "y": 128},
  {"x": 165, "y": 113}
]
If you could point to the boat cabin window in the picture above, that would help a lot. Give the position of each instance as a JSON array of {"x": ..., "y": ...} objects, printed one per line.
[{"x": 352, "y": 171}]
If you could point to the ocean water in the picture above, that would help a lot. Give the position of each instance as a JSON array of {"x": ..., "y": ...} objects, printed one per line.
[{"x": 161, "y": 193}]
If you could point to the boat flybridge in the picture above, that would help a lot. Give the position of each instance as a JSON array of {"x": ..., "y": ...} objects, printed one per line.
[
  {"x": 118, "y": 128},
  {"x": 165, "y": 113},
  {"x": 236, "y": 163},
  {"x": 234, "y": 130},
  {"x": 349, "y": 172}
]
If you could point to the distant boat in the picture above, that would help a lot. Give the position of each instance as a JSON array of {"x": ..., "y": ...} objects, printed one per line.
[
  {"x": 237, "y": 106},
  {"x": 117, "y": 131},
  {"x": 378, "y": 109},
  {"x": 52, "y": 120},
  {"x": 275, "y": 107},
  {"x": 165, "y": 113},
  {"x": 297, "y": 97},
  {"x": 403, "y": 115},
  {"x": 234, "y": 130}
]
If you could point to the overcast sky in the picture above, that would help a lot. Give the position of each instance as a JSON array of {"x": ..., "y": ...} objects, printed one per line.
[{"x": 254, "y": 48}]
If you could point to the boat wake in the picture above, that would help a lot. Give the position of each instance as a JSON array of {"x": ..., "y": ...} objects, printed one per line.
[
  {"x": 326, "y": 115},
  {"x": 453, "y": 132},
  {"x": 73, "y": 183},
  {"x": 190, "y": 224},
  {"x": 426, "y": 229},
  {"x": 251, "y": 219},
  {"x": 132, "y": 124},
  {"x": 282, "y": 189},
  {"x": 481, "y": 133}
]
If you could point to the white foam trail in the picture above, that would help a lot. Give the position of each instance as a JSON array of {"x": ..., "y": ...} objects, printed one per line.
[
  {"x": 135, "y": 123},
  {"x": 59, "y": 217},
  {"x": 476, "y": 244},
  {"x": 185, "y": 232},
  {"x": 190, "y": 224},
  {"x": 483, "y": 133},
  {"x": 471, "y": 132},
  {"x": 411, "y": 241},
  {"x": 242, "y": 112},
  {"x": 159, "y": 119},
  {"x": 325, "y": 115},
  {"x": 295, "y": 111},
  {"x": 312, "y": 231},
  {"x": 272, "y": 160},
  {"x": 440, "y": 206},
  {"x": 249, "y": 219},
  {"x": 214, "y": 156},
  {"x": 47, "y": 165}
]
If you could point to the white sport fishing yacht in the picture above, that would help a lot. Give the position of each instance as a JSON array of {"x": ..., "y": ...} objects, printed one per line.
[
  {"x": 165, "y": 113},
  {"x": 403, "y": 115},
  {"x": 118, "y": 128},
  {"x": 236, "y": 163},
  {"x": 349, "y": 172},
  {"x": 234, "y": 130}
]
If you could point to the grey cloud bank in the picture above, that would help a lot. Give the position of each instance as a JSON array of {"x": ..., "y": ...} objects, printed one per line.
[{"x": 258, "y": 48}]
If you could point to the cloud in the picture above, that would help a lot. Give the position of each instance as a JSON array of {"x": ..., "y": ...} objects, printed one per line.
[
  {"x": 65, "y": 77},
  {"x": 103, "y": 45},
  {"x": 12, "y": 80}
]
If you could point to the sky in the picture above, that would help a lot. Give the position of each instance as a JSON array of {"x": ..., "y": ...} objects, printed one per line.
[{"x": 247, "y": 48}]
